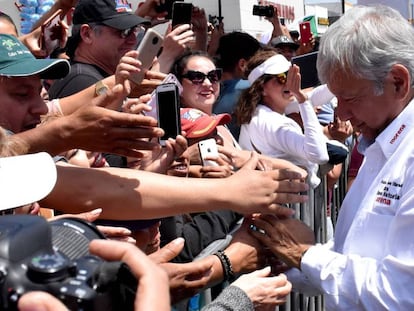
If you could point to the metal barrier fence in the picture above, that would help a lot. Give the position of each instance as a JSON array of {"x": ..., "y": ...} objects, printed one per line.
[{"x": 314, "y": 214}]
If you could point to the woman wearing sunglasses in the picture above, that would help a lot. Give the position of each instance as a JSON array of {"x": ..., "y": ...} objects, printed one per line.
[
  {"x": 201, "y": 86},
  {"x": 264, "y": 126}
]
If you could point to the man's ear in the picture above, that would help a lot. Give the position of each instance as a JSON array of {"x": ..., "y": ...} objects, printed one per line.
[
  {"x": 241, "y": 65},
  {"x": 401, "y": 80},
  {"x": 85, "y": 33}
]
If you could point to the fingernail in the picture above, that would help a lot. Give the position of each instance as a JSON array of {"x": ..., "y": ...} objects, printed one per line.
[
  {"x": 96, "y": 211},
  {"x": 178, "y": 241}
]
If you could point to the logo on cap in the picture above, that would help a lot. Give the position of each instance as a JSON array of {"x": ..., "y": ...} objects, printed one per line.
[{"x": 122, "y": 6}]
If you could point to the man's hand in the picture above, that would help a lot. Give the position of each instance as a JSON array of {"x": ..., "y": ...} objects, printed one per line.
[
  {"x": 263, "y": 191},
  {"x": 94, "y": 127},
  {"x": 186, "y": 279},
  {"x": 288, "y": 238}
]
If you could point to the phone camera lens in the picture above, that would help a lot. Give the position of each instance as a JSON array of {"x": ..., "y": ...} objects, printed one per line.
[{"x": 155, "y": 40}]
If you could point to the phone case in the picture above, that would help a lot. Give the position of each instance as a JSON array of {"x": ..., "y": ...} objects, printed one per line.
[
  {"x": 50, "y": 33},
  {"x": 148, "y": 48},
  {"x": 181, "y": 13},
  {"x": 170, "y": 78},
  {"x": 168, "y": 111},
  {"x": 305, "y": 32},
  {"x": 208, "y": 148}
]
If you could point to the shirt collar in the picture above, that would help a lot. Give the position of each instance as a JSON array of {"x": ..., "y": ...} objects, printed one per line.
[{"x": 395, "y": 133}]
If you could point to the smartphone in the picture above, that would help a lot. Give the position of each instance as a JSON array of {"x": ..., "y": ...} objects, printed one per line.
[
  {"x": 148, "y": 48},
  {"x": 308, "y": 70},
  {"x": 305, "y": 32},
  {"x": 166, "y": 7},
  {"x": 51, "y": 33},
  {"x": 208, "y": 149},
  {"x": 263, "y": 10},
  {"x": 168, "y": 111},
  {"x": 181, "y": 13},
  {"x": 170, "y": 78}
]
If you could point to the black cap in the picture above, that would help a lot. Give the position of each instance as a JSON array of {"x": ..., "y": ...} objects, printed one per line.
[
  {"x": 284, "y": 40},
  {"x": 113, "y": 13}
]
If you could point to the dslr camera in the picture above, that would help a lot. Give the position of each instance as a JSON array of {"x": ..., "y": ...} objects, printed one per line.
[
  {"x": 263, "y": 10},
  {"x": 37, "y": 255}
]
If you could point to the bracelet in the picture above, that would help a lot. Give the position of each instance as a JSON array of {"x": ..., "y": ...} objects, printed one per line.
[{"x": 226, "y": 264}]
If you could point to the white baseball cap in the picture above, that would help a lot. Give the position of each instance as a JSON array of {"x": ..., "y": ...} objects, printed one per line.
[
  {"x": 26, "y": 179},
  {"x": 272, "y": 66}
]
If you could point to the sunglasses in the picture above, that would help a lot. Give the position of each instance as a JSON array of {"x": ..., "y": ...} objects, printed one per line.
[
  {"x": 136, "y": 30},
  {"x": 197, "y": 77},
  {"x": 281, "y": 78}
]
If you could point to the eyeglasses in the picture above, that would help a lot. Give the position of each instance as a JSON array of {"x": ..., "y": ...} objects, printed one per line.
[
  {"x": 136, "y": 30},
  {"x": 198, "y": 77},
  {"x": 281, "y": 78}
]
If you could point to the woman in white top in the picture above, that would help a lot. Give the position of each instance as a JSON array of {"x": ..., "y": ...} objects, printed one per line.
[{"x": 264, "y": 126}]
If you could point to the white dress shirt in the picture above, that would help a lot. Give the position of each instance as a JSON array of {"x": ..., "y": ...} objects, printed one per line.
[{"x": 370, "y": 264}]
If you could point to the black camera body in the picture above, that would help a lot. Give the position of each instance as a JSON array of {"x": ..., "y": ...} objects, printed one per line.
[
  {"x": 30, "y": 262},
  {"x": 263, "y": 10}
]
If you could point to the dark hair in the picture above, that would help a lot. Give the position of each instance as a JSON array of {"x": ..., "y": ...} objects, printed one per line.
[
  {"x": 252, "y": 96},
  {"x": 9, "y": 19},
  {"x": 234, "y": 46},
  {"x": 180, "y": 63},
  {"x": 75, "y": 38}
]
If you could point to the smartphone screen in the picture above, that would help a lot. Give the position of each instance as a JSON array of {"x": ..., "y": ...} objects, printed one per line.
[
  {"x": 168, "y": 111},
  {"x": 181, "y": 13}
]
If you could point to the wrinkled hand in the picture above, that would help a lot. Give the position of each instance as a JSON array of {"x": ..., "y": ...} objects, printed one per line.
[
  {"x": 160, "y": 160},
  {"x": 264, "y": 191},
  {"x": 293, "y": 83},
  {"x": 199, "y": 20},
  {"x": 185, "y": 279},
  {"x": 175, "y": 43},
  {"x": 340, "y": 130},
  {"x": 112, "y": 131},
  {"x": 286, "y": 237},
  {"x": 264, "y": 290},
  {"x": 151, "y": 80},
  {"x": 147, "y": 9},
  {"x": 245, "y": 252},
  {"x": 306, "y": 47}
]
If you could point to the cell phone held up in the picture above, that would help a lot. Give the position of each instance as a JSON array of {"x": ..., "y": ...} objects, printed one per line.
[
  {"x": 148, "y": 48},
  {"x": 305, "y": 32},
  {"x": 208, "y": 149},
  {"x": 181, "y": 13},
  {"x": 168, "y": 111},
  {"x": 51, "y": 33},
  {"x": 166, "y": 7},
  {"x": 263, "y": 10}
]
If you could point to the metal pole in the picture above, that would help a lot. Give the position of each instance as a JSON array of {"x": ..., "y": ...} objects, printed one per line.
[{"x": 220, "y": 17}]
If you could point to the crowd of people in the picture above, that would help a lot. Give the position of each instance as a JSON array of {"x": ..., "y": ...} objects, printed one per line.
[{"x": 165, "y": 206}]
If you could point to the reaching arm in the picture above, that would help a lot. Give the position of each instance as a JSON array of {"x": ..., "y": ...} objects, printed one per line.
[{"x": 146, "y": 195}]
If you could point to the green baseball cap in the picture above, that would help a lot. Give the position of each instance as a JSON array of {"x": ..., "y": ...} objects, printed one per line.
[{"x": 17, "y": 61}]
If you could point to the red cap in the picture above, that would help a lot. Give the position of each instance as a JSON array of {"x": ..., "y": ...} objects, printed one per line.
[{"x": 198, "y": 124}]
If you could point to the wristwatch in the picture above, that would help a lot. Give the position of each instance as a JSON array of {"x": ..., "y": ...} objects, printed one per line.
[{"x": 101, "y": 88}]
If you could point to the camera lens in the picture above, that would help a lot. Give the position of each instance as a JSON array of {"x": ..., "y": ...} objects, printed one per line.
[
  {"x": 72, "y": 236},
  {"x": 155, "y": 40}
]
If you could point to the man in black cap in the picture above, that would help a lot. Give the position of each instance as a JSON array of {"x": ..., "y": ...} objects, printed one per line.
[
  {"x": 285, "y": 46},
  {"x": 103, "y": 31}
]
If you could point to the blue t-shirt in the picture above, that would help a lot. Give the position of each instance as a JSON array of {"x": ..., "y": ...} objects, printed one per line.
[{"x": 230, "y": 91}]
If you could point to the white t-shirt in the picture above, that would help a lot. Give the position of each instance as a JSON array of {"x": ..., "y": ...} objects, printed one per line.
[{"x": 278, "y": 136}]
